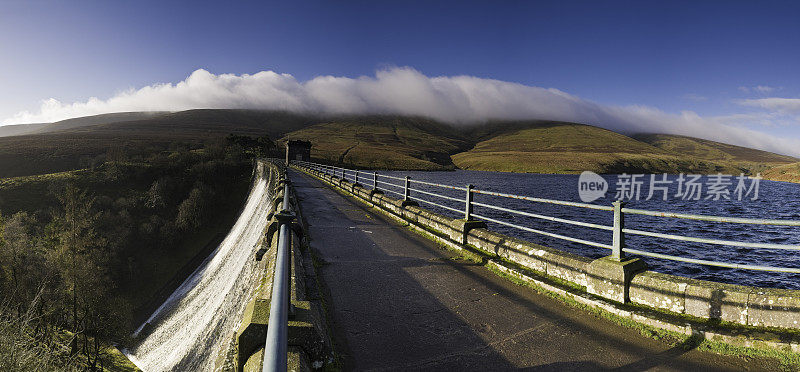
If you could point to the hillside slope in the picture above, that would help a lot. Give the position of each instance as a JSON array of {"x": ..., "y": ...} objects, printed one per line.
[
  {"x": 786, "y": 172},
  {"x": 385, "y": 142},
  {"x": 79, "y": 143},
  {"x": 20, "y": 129},
  {"x": 95, "y": 120},
  {"x": 205, "y": 123},
  {"x": 381, "y": 141},
  {"x": 556, "y": 147},
  {"x": 744, "y": 157}
]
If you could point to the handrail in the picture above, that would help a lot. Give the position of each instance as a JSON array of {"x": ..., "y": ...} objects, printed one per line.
[
  {"x": 714, "y": 263},
  {"x": 618, "y": 228},
  {"x": 701, "y": 217},
  {"x": 549, "y": 218},
  {"x": 390, "y": 184},
  {"x": 436, "y": 195},
  {"x": 440, "y": 185},
  {"x": 433, "y": 203},
  {"x": 552, "y": 235},
  {"x": 276, "y": 347},
  {"x": 731, "y": 243},
  {"x": 540, "y": 200},
  {"x": 391, "y": 177}
]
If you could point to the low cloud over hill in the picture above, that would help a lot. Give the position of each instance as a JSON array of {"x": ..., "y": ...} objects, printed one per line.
[{"x": 405, "y": 91}]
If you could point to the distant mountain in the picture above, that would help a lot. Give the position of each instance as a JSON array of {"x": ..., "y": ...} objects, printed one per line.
[
  {"x": 95, "y": 120},
  {"x": 710, "y": 150},
  {"x": 558, "y": 147},
  {"x": 40, "y": 128},
  {"x": 392, "y": 142},
  {"x": 379, "y": 141},
  {"x": 20, "y": 129},
  {"x": 78, "y": 143},
  {"x": 198, "y": 124}
]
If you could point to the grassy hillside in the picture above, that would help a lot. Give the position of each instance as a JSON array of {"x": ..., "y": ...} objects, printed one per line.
[
  {"x": 194, "y": 124},
  {"x": 383, "y": 142},
  {"x": 786, "y": 172},
  {"x": 555, "y": 147},
  {"x": 751, "y": 159},
  {"x": 19, "y": 129},
  {"x": 95, "y": 120},
  {"x": 711, "y": 150},
  {"x": 379, "y": 141},
  {"x": 84, "y": 146},
  {"x": 39, "y": 128}
]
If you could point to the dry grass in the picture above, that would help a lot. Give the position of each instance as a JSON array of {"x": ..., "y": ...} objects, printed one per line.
[
  {"x": 384, "y": 143},
  {"x": 573, "y": 148}
]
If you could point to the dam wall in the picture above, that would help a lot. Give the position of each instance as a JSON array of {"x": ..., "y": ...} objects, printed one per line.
[
  {"x": 309, "y": 345},
  {"x": 187, "y": 330}
]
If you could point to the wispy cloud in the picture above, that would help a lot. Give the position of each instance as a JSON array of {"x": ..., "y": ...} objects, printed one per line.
[
  {"x": 695, "y": 97},
  {"x": 455, "y": 99},
  {"x": 783, "y": 105},
  {"x": 762, "y": 89}
]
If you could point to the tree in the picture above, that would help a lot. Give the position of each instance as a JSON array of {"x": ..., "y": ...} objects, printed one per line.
[
  {"x": 76, "y": 238},
  {"x": 16, "y": 257},
  {"x": 156, "y": 197},
  {"x": 192, "y": 211}
]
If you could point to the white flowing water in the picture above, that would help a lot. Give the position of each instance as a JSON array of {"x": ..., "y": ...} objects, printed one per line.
[{"x": 188, "y": 329}]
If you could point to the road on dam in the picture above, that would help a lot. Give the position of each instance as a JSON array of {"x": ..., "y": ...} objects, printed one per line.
[{"x": 397, "y": 301}]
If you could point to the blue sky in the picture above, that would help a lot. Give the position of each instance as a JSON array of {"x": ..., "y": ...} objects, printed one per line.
[{"x": 704, "y": 57}]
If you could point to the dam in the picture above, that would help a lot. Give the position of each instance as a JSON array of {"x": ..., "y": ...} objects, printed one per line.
[
  {"x": 377, "y": 282},
  {"x": 187, "y": 330}
]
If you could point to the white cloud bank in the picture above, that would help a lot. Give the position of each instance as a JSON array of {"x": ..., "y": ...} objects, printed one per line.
[{"x": 456, "y": 99}]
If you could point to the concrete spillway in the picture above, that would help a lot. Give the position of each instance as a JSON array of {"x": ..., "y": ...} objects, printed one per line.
[{"x": 187, "y": 330}]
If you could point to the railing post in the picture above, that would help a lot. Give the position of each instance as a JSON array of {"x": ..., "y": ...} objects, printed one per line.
[
  {"x": 618, "y": 243},
  {"x": 405, "y": 189},
  {"x": 356, "y": 181},
  {"x": 374, "y": 180},
  {"x": 468, "y": 206}
]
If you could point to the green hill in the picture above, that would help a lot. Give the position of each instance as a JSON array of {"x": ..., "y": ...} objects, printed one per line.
[
  {"x": 386, "y": 142},
  {"x": 379, "y": 141},
  {"x": 20, "y": 129},
  {"x": 786, "y": 172},
  {"x": 95, "y": 120},
  {"x": 82, "y": 143},
  {"x": 557, "y": 147},
  {"x": 40, "y": 128},
  {"x": 193, "y": 124},
  {"x": 755, "y": 160}
]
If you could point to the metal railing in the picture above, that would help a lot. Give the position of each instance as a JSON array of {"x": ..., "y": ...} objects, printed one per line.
[
  {"x": 275, "y": 357},
  {"x": 618, "y": 210}
]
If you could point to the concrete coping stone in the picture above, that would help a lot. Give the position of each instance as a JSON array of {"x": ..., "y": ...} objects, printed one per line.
[
  {"x": 713, "y": 300},
  {"x": 658, "y": 290},
  {"x": 553, "y": 262}
]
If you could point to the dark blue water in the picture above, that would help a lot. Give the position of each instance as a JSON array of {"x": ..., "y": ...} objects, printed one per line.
[{"x": 776, "y": 200}]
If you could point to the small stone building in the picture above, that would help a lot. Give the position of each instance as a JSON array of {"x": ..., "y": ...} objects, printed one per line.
[{"x": 298, "y": 150}]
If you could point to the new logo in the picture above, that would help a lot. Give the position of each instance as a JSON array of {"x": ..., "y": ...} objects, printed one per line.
[{"x": 591, "y": 186}]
